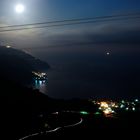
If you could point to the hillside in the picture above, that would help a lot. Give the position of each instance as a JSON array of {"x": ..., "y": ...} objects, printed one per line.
[{"x": 18, "y": 66}]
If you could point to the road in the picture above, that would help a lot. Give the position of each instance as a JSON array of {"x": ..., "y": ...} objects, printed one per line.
[{"x": 51, "y": 131}]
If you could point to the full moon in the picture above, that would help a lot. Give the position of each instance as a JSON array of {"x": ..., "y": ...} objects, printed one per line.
[{"x": 19, "y": 8}]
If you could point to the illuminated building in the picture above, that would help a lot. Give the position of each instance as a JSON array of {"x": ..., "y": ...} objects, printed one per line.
[{"x": 40, "y": 75}]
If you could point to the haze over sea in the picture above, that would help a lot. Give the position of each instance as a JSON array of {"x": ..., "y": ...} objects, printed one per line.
[{"x": 108, "y": 71}]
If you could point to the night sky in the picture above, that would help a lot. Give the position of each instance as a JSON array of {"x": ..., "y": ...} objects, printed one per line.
[{"x": 100, "y": 59}]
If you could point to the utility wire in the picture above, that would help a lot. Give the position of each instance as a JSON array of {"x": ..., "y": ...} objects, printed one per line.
[
  {"x": 70, "y": 22},
  {"x": 64, "y": 24},
  {"x": 73, "y": 20}
]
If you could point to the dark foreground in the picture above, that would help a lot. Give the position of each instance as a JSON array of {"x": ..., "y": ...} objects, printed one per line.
[
  {"x": 26, "y": 114},
  {"x": 91, "y": 126}
]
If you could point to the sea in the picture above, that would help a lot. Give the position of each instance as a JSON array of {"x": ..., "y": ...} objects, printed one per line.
[{"x": 102, "y": 71}]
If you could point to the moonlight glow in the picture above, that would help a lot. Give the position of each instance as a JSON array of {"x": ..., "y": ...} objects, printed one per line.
[{"x": 19, "y": 8}]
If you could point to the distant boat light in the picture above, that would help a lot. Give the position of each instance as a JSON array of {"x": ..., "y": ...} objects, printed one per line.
[{"x": 108, "y": 53}]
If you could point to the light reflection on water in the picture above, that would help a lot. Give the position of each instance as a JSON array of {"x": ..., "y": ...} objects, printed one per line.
[{"x": 41, "y": 85}]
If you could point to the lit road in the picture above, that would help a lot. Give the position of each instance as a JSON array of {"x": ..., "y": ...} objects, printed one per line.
[
  {"x": 36, "y": 134},
  {"x": 51, "y": 131},
  {"x": 72, "y": 125}
]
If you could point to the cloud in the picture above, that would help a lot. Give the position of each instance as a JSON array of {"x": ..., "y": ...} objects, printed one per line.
[
  {"x": 108, "y": 32},
  {"x": 102, "y": 33}
]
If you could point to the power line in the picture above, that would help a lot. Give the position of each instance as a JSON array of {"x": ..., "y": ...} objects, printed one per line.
[
  {"x": 74, "y": 20},
  {"x": 70, "y": 22},
  {"x": 64, "y": 24}
]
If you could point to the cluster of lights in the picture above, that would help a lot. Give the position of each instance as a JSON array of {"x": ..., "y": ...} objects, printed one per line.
[
  {"x": 40, "y": 75},
  {"x": 128, "y": 106},
  {"x": 82, "y": 112},
  {"x": 110, "y": 107},
  {"x": 107, "y": 107}
]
